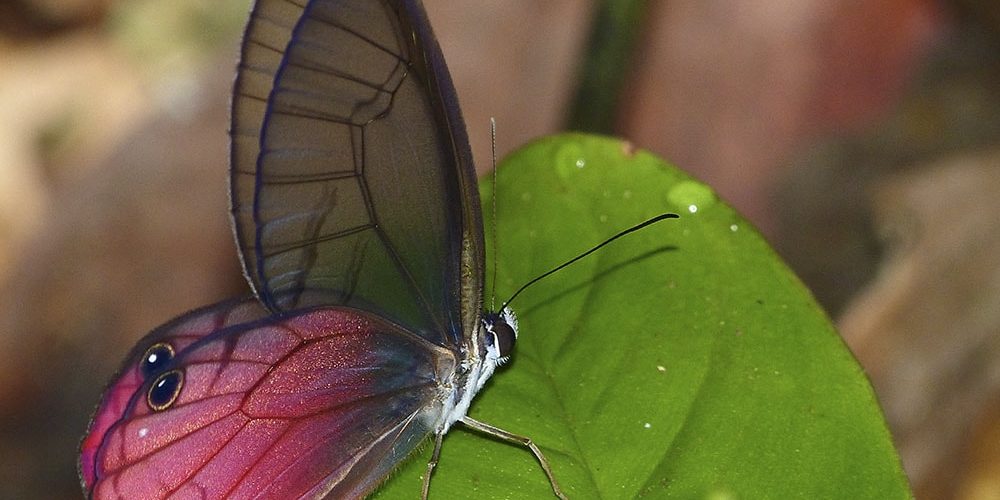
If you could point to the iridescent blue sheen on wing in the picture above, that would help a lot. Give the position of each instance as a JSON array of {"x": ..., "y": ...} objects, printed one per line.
[{"x": 363, "y": 191}]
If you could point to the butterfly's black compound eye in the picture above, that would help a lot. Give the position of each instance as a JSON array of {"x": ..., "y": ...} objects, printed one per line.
[
  {"x": 505, "y": 337},
  {"x": 155, "y": 358},
  {"x": 165, "y": 390}
]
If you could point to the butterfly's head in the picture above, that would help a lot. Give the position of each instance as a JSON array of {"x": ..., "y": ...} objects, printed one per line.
[{"x": 501, "y": 332}]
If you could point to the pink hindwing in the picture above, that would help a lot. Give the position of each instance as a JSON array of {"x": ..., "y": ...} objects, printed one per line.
[{"x": 228, "y": 402}]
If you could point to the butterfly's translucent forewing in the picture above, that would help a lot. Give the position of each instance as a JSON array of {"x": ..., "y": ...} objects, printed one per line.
[
  {"x": 352, "y": 178},
  {"x": 319, "y": 402}
]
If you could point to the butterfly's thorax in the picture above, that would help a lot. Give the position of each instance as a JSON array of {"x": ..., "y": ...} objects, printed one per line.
[
  {"x": 479, "y": 361},
  {"x": 468, "y": 377}
]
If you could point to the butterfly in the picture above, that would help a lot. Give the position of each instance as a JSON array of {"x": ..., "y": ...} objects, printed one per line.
[{"x": 358, "y": 222}]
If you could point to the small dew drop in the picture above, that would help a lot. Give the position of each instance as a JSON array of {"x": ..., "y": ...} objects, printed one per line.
[
  {"x": 734, "y": 228},
  {"x": 691, "y": 196},
  {"x": 603, "y": 218},
  {"x": 720, "y": 495},
  {"x": 569, "y": 160},
  {"x": 143, "y": 432},
  {"x": 661, "y": 368},
  {"x": 647, "y": 425}
]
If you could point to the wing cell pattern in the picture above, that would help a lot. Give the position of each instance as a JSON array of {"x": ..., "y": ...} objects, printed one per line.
[
  {"x": 352, "y": 179},
  {"x": 317, "y": 403}
]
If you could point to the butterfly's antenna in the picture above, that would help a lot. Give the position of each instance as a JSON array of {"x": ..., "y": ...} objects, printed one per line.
[
  {"x": 636, "y": 227},
  {"x": 493, "y": 199}
]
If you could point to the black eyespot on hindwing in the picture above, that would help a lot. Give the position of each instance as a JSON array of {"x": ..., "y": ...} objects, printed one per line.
[
  {"x": 165, "y": 389},
  {"x": 155, "y": 359}
]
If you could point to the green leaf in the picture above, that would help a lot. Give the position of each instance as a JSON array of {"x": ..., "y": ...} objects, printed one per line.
[{"x": 684, "y": 360}]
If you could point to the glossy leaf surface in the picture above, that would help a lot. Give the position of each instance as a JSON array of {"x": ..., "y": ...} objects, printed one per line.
[{"x": 684, "y": 361}]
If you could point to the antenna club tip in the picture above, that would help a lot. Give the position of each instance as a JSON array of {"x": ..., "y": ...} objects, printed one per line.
[{"x": 663, "y": 216}]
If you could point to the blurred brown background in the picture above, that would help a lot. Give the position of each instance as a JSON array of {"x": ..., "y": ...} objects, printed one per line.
[{"x": 862, "y": 137}]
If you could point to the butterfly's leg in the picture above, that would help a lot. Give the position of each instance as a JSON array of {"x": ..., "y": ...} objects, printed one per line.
[
  {"x": 431, "y": 464},
  {"x": 522, "y": 440}
]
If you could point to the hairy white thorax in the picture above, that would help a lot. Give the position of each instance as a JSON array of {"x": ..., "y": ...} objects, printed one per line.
[{"x": 482, "y": 359}]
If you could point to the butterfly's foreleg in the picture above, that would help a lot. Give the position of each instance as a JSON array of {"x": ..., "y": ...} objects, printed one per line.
[
  {"x": 523, "y": 441},
  {"x": 431, "y": 464}
]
